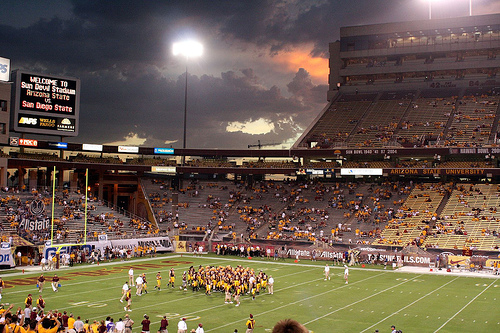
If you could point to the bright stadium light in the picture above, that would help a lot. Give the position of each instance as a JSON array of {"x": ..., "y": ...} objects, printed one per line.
[
  {"x": 187, "y": 49},
  {"x": 430, "y": 7}
]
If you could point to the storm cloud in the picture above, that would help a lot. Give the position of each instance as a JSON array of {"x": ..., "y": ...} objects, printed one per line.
[{"x": 263, "y": 75}]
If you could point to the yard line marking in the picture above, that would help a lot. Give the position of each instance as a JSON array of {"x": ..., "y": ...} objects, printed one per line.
[
  {"x": 466, "y": 305},
  {"x": 301, "y": 300},
  {"x": 359, "y": 301},
  {"x": 182, "y": 299},
  {"x": 111, "y": 277},
  {"x": 407, "y": 306}
]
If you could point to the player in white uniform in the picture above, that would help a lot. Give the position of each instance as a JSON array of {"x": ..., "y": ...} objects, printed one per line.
[
  {"x": 346, "y": 274},
  {"x": 327, "y": 272}
]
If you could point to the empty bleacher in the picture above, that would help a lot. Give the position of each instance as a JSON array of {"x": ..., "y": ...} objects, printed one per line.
[
  {"x": 470, "y": 219},
  {"x": 427, "y": 117},
  {"x": 379, "y": 123},
  {"x": 340, "y": 119},
  {"x": 473, "y": 119}
]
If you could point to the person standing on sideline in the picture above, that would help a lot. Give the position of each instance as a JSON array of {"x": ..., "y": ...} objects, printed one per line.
[
  {"x": 125, "y": 288},
  {"x": 131, "y": 276},
  {"x": 327, "y": 272},
  {"x": 163, "y": 325},
  {"x": 55, "y": 283},
  {"x": 40, "y": 282},
  {"x": 145, "y": 324},
  {"x": 78, "y": 325},
  {"x": 138, "y": 285},
  {"x": 200, "y": 329},
  {"x": 128, "y": 323},
  {"x": 346, "y": 274},
  {"x": 270, "y": 285},
  {"x": 119, "y": 327},
  {"x": 43, "y": 263},
  {"x": 182, "y": 326},
  {"x": 250, "y": 324}
]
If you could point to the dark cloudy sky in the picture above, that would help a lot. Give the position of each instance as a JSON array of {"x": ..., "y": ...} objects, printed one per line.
[{"x": 263, "y": 75}]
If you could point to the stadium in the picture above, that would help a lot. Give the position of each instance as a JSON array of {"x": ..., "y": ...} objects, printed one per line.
[{"x": 397, "y": 178}]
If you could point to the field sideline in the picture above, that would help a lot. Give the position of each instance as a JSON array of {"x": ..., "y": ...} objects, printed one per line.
[{"x": 374, "y": 298}]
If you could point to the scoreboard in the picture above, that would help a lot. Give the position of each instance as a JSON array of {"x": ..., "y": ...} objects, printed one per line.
[{"x": 45, "y": 104}]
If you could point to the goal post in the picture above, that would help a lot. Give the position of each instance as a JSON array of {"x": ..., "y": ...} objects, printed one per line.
[{"x": 60, "y": 246}]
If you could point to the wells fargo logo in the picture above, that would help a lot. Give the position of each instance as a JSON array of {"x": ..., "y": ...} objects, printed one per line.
[{"x": 31, "y": 281}]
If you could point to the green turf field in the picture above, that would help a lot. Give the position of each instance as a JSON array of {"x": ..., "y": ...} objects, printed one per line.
[{"x": 373, "y": 299}]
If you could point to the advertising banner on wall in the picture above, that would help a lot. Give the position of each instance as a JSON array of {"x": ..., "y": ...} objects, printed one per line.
[
  {"x": 162, "y": 244},
  {"x": 6, "y": 259},
  {"x": 4, "y": 69}
]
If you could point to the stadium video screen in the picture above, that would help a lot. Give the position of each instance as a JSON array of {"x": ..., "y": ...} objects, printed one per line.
[{"x": 46, "y": 104}]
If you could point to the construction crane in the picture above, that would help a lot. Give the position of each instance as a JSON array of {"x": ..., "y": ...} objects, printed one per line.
[{"x": 260, "y": 145}]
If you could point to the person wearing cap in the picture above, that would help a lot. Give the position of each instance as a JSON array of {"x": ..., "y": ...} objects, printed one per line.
[
  {"x": 145, "y": 324},
  {"x": 33, "y": 314},
  {"x": 182, "y": 326},
  {"x": 128, "y": 324},
  {"x": 250, "y": 324},
  {"x": 200, "y": 329}
]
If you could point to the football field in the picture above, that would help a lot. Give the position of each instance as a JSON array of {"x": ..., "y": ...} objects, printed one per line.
[{"x": 374, "y": 298}]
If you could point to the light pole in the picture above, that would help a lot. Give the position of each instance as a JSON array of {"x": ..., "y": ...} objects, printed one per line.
[{"x": 187, "y": 49}]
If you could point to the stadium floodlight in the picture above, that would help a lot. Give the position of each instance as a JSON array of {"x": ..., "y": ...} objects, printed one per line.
[
  {"x": 430, "y": 7},
  {"x": 188, "y": 49}
]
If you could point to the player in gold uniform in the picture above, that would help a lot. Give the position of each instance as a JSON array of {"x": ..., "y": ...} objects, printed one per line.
[
  {"x": 171, "y": 278},
  {"x": 158, "y": 281}
]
